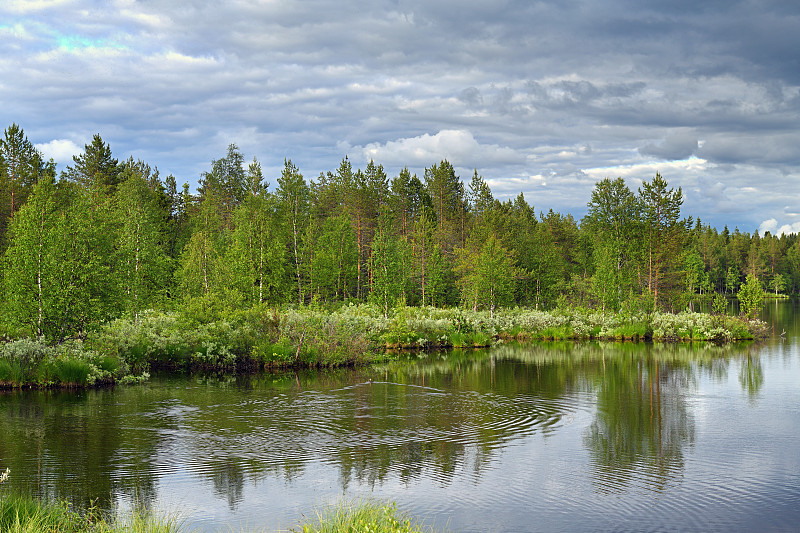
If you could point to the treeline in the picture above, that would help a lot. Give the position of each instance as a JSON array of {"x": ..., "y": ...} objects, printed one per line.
[{"x": 106, "y": 238}]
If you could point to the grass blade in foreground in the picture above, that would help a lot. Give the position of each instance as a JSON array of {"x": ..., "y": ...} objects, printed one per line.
[{"x": 362, "y": 516}]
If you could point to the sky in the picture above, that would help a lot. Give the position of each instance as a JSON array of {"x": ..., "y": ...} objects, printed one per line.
[{"x": 544, "y": 97}]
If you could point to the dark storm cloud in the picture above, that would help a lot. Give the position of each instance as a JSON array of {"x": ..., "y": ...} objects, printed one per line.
[{"x": 541, "y": 97}]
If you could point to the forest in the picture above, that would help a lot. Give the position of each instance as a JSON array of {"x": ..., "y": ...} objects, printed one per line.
[{"x": 105, "y": 238}]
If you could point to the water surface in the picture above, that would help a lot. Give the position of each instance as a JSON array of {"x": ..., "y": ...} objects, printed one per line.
[{"x": 533, "y": 437}]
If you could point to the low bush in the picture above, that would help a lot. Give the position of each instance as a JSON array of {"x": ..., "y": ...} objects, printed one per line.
[{"x": 32, "y": 362}]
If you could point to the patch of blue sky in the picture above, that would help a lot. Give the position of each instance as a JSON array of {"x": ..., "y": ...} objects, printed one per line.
[{"x": 79, "y": 42}]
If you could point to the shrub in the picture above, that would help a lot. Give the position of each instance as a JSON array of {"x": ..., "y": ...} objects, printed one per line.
[{"x": 23, "y": 357}]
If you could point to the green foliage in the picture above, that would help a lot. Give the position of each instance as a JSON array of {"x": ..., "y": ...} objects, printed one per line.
[
  {"x": 351, "y": 334},
  {"x": 201, "y": 269},
  {"x": 694, "y": 270},
  {"x": 488, "y": 275},
  {"x": 71, "y": 371},
  {"x": 20, "y": 360},
  {"x": 542, "y": 265},
  {"x": 607, "y": 282},
  {"x": 388, "y": 261},
  {"x": 293, "y": 200},
  {"x": 751, "y": 296},
  {"x": 257, "y": 253},
  {"x": 20, "y": 514},
  {"x": 777, "y": 283},
  {"x": 428, "y": 271},
  {"x": 719, "y": 305},
  {"x": 732, "y": 279},
  {"x": 57, "y": 267},
  {"x": 227, "y": 182},
  {"x": 30, "y": 262},
  {"x": 613, "y": 219},
  {"x": 173, "y": 341},
  {"x": 142, "y": 265},
  {"x": 274, "y": 354},
  {"x": 446, "y": 191},
  {"x": 335, "y": 258}
]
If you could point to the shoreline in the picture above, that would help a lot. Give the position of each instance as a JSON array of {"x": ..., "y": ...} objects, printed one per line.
[{"x": 263, "y": 338}]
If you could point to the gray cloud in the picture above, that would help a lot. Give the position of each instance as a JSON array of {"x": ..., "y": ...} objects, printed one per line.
[
  {"x": 543, "y": 98},
  {"x": 676, "y": 146}
]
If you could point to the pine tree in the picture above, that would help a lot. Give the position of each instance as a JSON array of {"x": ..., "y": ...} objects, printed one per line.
[
  {"x": 480, "y": 195},
  {"x": 661, "y": 209},
  {"x": 95, "y": 169},
  {"x": 21, "y": 167},
  {"x": 407, "y": 198},
  {"x": 227, "y": 182},
  {"x": 447, "y": 195}
]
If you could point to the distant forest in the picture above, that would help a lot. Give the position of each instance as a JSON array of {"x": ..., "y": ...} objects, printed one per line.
[{"x": 104, "y": 239}]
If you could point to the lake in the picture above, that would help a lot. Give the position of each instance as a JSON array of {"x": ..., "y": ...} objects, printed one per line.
[{"x": 553, "y": 436}]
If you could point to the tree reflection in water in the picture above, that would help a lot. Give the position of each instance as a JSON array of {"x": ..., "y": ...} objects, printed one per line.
[
  {"x": 642, "y": 423},
  {"x": 438, "y": 416}
]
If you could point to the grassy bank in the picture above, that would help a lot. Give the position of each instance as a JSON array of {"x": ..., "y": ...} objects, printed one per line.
[{"x": 265, "y": 337}]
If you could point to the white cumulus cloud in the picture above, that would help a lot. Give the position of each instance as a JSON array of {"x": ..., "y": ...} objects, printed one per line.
[
  {"x": 457, "y": 146},
  {"x": 61, "y": 150},
  {"x": 771, "y": 225}
]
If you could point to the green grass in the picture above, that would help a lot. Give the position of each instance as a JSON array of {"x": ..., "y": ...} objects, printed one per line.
[
  {"x": 23, "y": 514},
  {"x": 141, "y": 523},
  {"x": 20, "y": 514},
  {"x": 71, "y": 371},
  {"x": 362, "y": 517}
]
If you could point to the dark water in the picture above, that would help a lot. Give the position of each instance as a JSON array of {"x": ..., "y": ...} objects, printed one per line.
[{"x": 538, "y": 437}]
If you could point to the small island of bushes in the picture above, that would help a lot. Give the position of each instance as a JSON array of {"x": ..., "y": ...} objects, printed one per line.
[{"x": 264, "y": 337}]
